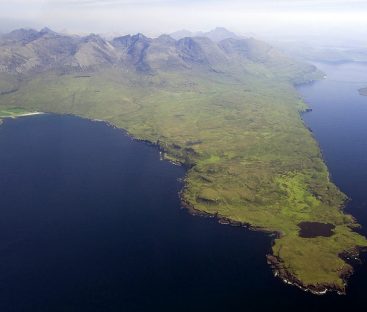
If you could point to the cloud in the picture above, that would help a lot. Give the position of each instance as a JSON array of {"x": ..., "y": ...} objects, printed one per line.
[{"x": 265, "y": 18}]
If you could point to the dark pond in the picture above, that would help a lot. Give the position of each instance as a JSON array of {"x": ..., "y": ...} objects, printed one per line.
[
  {"x": 91, "y": 220},
  {"x": 315, "y": 229}
]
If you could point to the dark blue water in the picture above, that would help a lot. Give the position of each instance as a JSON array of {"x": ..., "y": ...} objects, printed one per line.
[
  {"x": 90, "y": 220},
  {"x": 339, "y": 123}
]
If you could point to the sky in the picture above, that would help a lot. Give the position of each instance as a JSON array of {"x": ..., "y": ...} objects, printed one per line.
[{"x": 264, "y": 18}]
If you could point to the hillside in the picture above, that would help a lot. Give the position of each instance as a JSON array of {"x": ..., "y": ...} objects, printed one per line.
[{"x": 227, "y": 110}]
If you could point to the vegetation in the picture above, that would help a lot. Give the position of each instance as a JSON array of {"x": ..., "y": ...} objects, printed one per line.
[
  {"x": 235, "y": 123},
  {"x": 13, "y": 112}
]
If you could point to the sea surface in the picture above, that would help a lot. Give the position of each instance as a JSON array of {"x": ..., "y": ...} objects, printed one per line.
[{"x": 90, "y": 220}]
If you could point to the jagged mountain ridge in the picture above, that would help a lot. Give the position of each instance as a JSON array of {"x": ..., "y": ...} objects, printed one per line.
[
  {"x": 26, "y": 51},
  {"x": 218, "y": 34}
]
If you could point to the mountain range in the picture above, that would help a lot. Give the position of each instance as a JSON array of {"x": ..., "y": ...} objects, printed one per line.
[{"x": 25, "y": 51}]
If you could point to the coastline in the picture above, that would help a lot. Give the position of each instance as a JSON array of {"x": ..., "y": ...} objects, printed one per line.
[
  {"x": 352, "y": 257},
  {"x": 274, "y": 262},
  {"x": 22, "y": 115}
]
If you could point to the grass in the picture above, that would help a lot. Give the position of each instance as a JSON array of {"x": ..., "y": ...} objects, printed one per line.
[
  {"x": 8, "y": 83},
  {"x": 250, "y": 157},
  {"x": 13, "y": 112}
]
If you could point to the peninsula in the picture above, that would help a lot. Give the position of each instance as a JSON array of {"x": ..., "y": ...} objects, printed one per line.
[{"x": 226, "y": 108}]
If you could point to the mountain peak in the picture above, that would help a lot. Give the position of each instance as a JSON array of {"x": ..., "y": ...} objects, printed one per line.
[
  {"x": 221, "y": 29},
  {"x": 47, "y": 30},
  {"x": 217, "y": 34},
  {"x": 94, "y": 38},
  {"x": 177, "y": 35},
  {"x": 166, "y": 39},
  {"x": 132, "y": 51},
  {"x": 220, "y": 33},
  {"x": 23, "y": 35},
  {"x": 139, "y": 36}
]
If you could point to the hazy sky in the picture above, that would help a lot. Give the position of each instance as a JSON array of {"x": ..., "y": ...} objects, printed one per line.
[{"x": 260, "y": 17}]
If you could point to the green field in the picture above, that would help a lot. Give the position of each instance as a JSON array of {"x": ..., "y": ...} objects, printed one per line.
[
  {"x": 13, "y": 112},
  {"x": 249, "y": 156}
]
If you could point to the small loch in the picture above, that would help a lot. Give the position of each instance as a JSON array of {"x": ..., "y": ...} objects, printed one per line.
[{"x": 310, "y": 229}]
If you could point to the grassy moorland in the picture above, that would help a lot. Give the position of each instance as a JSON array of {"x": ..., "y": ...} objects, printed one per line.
[
  {"x": 250, "y": 157},
  {"x": 14, "y": 112}
]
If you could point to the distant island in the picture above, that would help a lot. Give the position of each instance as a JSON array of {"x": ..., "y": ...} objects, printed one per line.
[
  {"x": 363, "y": 91},
  {"x": 223, "y": 106}
]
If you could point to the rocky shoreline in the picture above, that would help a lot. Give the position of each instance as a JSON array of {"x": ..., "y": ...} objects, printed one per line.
[
  {"x": 287, "y": 277},
  {"x": 352, "y": 257}
]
